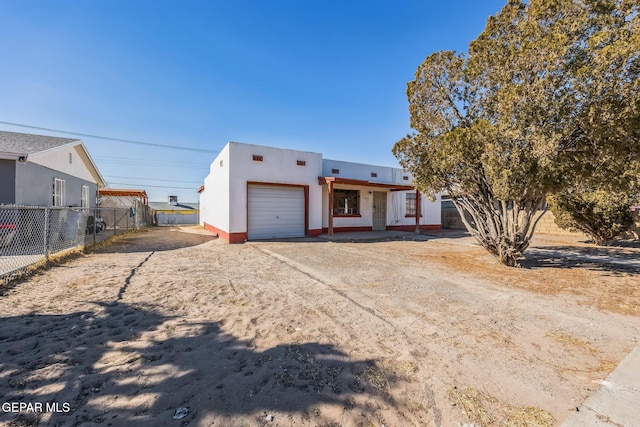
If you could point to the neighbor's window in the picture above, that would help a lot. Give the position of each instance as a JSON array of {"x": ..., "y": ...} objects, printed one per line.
[
  {"x": 58, "y": 192},
  {"x": 346, "y": 202},
  {"x": 410, "y": 204},
  {"x": 84, "y": 197}
]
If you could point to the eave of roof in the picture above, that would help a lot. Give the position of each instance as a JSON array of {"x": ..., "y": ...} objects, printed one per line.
[{"x": 337, "y": 180}]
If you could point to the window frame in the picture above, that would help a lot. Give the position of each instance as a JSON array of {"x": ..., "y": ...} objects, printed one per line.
[
  {"x": 59, "y": 192},
  {"x": 84, "y": 196},
  {"x": 411, "y": 205},
  {"x": 342, "y": 195}
]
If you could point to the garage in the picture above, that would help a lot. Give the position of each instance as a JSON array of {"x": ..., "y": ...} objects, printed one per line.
[{"x": 275, "y": 212}]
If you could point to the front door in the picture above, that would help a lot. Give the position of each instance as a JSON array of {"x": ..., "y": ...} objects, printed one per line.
[{"x": 379, "y": 210}]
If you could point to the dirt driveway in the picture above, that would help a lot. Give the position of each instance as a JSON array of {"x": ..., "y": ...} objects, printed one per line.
[{"x": 174, "y": 327}]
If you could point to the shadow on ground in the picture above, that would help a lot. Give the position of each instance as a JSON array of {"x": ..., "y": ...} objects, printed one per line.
[
  {"x": 104, "y": 366},
  {"x": 605, "y": 259}
]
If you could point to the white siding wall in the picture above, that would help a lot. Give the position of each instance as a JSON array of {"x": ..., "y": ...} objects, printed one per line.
[
  {"x": 363, "y": 172},
  {"x": 58, "y": 159},
  {"x": 278, "y": 166},
  {"x": 214, "y": 200}
]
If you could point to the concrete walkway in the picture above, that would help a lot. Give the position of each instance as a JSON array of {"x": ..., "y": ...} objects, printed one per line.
[
  {"x": 387, "y": 235},
  {"x": 616, "y": 402},
  {"x": 363, "y": 236}
]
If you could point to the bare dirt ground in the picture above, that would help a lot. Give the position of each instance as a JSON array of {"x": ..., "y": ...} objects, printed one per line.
[{"x": 173, "y": 323}]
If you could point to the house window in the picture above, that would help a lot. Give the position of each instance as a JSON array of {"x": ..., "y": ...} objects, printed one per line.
[
  {"x": 335, "y": 171},
  {"x": 410, "y": 204},
  {"x": 84, "y": 197},
  {"x": 346, "y": 202},
  {"x": 257, "y": 158},
  {"x": 301, "y": 163},
  {"x": 58, "y": 192},
  {"x": 374, "y": 175},
  {"x": 405, "y": 178}
]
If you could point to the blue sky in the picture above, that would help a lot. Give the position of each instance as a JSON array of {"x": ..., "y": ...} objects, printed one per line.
[{"x": 323, "y": 76}]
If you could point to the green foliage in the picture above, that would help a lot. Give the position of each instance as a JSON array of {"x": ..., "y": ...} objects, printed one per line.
[
  {"x": 547, "y": 98},
  {"x": 599, "y": 214}
]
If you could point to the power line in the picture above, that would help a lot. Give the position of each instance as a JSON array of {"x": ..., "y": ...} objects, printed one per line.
[
  {"x": 150, "y": 179},
  {"x": 128, "y": 141},
  {"x": 154, "y": 186},
  {"x": 136, "y": 162}
]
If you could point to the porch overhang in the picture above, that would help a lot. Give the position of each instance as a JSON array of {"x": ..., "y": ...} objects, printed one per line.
[
  {"x": 330, "y": 181},
  {"x": 116, "y": 192},
  {"x": 322, "y": 180}
]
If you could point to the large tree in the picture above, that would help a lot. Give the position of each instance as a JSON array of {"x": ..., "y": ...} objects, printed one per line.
[
  {"x": 499, "y": 127},
  {"x": 601, "y": 152}
]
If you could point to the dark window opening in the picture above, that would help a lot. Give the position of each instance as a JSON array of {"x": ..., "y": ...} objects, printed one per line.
[
  {"x": 374, "y": 175},
  {"x": 346, "y": 202},
  {"x": 335, "y": 171},
  {"x": 302, "y": 163},
  {"x": 257, "y": 158}
]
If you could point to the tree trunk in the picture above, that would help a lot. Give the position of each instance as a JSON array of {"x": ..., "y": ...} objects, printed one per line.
[{"x": 504, "y": 228}]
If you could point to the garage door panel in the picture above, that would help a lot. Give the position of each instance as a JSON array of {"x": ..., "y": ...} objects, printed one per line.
[{"x": 275, "y": 212}]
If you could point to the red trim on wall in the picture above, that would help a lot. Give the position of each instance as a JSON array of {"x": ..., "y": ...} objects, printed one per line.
[
  {"x": 229, "y": 237},
  {"x": 412, "y": 227},
  {"x": 315, "y": 232},
  {"x": 344, "y": 229}
]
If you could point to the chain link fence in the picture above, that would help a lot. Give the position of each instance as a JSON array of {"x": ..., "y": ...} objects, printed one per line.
[{"x": 30, "y": 236}]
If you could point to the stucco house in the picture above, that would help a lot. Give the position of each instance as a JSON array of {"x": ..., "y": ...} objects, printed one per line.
[
  {"x": 255, "y": 192},
  {"x": 37, "y": 170}
]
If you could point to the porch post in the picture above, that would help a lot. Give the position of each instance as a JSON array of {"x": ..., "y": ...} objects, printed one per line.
[
  {"x": 330, "y": 187},
  {"x": 417, "y": 211}
]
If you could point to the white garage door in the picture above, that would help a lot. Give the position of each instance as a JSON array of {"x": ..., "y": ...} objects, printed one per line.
[{"x": 275, "y": 212}]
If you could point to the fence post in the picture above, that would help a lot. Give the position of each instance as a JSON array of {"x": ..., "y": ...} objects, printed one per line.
[
  {"x": 46, "y": 233},
  {"x": 95, "y": 224},
  {"x": 127, "y": 221},
  {"x": 115, "y": 222}
]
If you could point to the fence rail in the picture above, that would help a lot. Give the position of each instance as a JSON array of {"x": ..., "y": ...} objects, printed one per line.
[{"x": 31, "y": 235}]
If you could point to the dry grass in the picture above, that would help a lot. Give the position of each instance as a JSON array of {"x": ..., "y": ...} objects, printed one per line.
[
  {"x": 486, "y": 410},
  {"x": 612, "y": 291},
  {"x": 566, "y": 339}
]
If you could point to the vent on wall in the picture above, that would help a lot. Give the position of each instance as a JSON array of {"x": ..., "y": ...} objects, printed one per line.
[
  {"x": 257, "y": 158},
  {"x": 336, "y": 171},
  {"x": 374, "y": 175}
]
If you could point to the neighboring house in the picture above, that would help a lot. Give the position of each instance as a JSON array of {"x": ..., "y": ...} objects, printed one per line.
[
  {"x": 37, "y": 170},
  {"x": 134, "y": 200},
  {"x": 174, "y": 213},
  {"x": 254, "y": 192}
]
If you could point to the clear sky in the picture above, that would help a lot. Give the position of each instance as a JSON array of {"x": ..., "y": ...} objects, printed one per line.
[{"x": 324, "y": 76}]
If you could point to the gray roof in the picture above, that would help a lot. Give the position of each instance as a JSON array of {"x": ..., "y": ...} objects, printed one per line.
[
  {"x": 165, "y": 206},
  {"x": 24, "y": 143}
]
